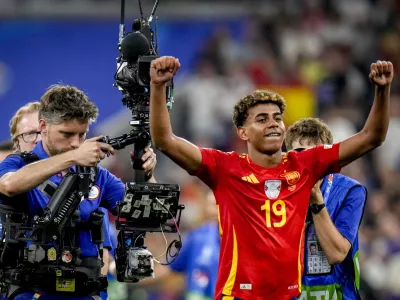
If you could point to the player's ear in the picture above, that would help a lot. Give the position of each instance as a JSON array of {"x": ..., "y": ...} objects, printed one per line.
[{"x": 241, "y": 132}]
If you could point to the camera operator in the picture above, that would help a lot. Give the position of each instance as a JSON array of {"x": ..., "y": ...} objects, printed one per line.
[
  {"x": 25, "y": 134},
  {"x": 65, "y": 114}
]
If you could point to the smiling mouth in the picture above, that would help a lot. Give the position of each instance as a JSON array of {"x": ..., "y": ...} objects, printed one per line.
[{"x": 275, "y": 134}]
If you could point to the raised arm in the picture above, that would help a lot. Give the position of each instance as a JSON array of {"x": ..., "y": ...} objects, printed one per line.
[
  {"x": 182, "y": 152},
  {"x": 374, "y": 132}
]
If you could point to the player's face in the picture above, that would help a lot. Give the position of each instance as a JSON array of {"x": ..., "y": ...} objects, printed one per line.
[
  {"x": 264, "y": 128},
  {"x": 28, "y": 132},
  {"x": 63, "y": 137}
]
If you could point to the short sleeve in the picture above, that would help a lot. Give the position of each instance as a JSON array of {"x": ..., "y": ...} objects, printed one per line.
[
  {"x": 349, "y": 217},
  {"x": 208, "y": 171},
  {"x": 11, "y": 163},
  {"x": 113, "y": 189},
  {"x": 322, "y": 160}
]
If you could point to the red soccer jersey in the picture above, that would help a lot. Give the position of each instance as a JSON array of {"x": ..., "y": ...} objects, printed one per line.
[{"x": 262, "y": 214}]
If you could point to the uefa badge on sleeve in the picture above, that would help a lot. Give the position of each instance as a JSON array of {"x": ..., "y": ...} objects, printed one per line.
[{"x": 272, "y": 188}]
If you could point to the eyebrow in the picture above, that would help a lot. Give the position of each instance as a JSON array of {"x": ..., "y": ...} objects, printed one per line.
[
  {"x": 266, "y": 115},
  {"x": 71, "y": 132}
]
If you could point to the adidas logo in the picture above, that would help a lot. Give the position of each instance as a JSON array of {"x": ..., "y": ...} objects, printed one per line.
[{"x": 251, "y": 178}]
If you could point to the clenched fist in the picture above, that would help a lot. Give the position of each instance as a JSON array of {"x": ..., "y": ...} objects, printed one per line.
[
  {"x": 163, "y": 69},
  {"x": 381, "y": 73}
]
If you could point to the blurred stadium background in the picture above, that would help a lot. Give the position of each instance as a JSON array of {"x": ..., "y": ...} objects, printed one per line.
[{"x": 317, "y": 53}]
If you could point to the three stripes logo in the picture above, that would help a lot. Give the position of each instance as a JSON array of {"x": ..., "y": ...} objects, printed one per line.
[{"x": 251, "y": 178}]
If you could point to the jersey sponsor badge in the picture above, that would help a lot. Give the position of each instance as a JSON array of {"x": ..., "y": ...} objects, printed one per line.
[
  {"x": 291, "y": 177},
  {"x": 272, "y": 188}
]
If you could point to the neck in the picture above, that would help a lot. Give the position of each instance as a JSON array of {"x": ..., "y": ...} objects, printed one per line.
[
  {"x": 265, "y": 160},
  {"x": 46, "y": 149}
]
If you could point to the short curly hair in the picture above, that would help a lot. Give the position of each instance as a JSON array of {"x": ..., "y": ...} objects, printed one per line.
[
  {"x": 62, "y": 103},
  {"x": 242, "y": 107},
  {"x": 312, "y": 129}
]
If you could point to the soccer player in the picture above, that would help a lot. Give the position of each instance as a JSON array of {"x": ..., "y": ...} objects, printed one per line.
[
  {"x": 336, "y": 208},
  {"x": 263, "y": 195}
]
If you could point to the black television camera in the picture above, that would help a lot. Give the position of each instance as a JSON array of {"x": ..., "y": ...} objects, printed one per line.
[
  {"x": 147, "y": 207},
  {"x": 137, "y": 51}
]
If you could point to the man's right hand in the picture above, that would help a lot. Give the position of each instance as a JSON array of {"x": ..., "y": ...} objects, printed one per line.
[
  {"x": 162, "y": 69},
  {"x": 91, "y": 152}
]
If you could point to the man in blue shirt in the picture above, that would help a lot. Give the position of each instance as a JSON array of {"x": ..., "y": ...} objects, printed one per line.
[
  {"x": 25, "y": 134},
  {"x": 64, "y": 117},
  {"x": 331, "y": 263}
]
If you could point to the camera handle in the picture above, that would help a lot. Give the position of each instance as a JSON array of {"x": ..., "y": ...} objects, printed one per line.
[{"x": 143, "y": 139}]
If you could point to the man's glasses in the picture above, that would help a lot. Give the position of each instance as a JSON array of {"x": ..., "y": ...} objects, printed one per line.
[{"x": 29, "y": 137}]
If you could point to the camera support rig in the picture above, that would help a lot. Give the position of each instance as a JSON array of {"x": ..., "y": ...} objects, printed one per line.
[
  {"x": 54, "y": 253},
  {"x": 146, "y": 206}
]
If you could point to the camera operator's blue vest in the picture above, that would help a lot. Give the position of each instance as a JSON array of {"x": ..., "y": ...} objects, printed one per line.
[{"x": 340, "y": 281}]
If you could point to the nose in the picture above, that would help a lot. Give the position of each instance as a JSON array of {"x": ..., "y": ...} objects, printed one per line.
[
  {"x": 75, "y": 142},
  {"x": 272, "y": 123}
]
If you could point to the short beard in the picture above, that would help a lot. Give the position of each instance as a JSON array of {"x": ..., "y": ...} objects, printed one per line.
[{"x": 52, "y": 149}]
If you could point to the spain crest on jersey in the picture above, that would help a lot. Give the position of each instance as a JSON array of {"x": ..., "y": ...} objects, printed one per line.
[{"x": 272, "y": 188}]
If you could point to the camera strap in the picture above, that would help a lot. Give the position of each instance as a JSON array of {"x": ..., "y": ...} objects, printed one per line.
[{"x": 48, "y": 188}]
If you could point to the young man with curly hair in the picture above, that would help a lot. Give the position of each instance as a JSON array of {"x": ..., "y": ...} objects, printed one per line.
[
  {"x": 263, "y": 196},
  {"x": 337, "y": 202}
]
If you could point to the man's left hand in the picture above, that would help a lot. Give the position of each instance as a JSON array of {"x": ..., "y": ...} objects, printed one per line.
[{"x": 149, "y": 159}]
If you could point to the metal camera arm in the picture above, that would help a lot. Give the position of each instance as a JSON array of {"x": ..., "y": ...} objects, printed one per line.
[{"x": 61, "y": 210}]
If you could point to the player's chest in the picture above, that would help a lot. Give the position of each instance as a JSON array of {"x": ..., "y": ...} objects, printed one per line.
[{"x": 278, "y": 184}]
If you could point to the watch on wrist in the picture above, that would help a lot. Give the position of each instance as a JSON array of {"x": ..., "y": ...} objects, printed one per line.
[{"x": 316, "y": 208}]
